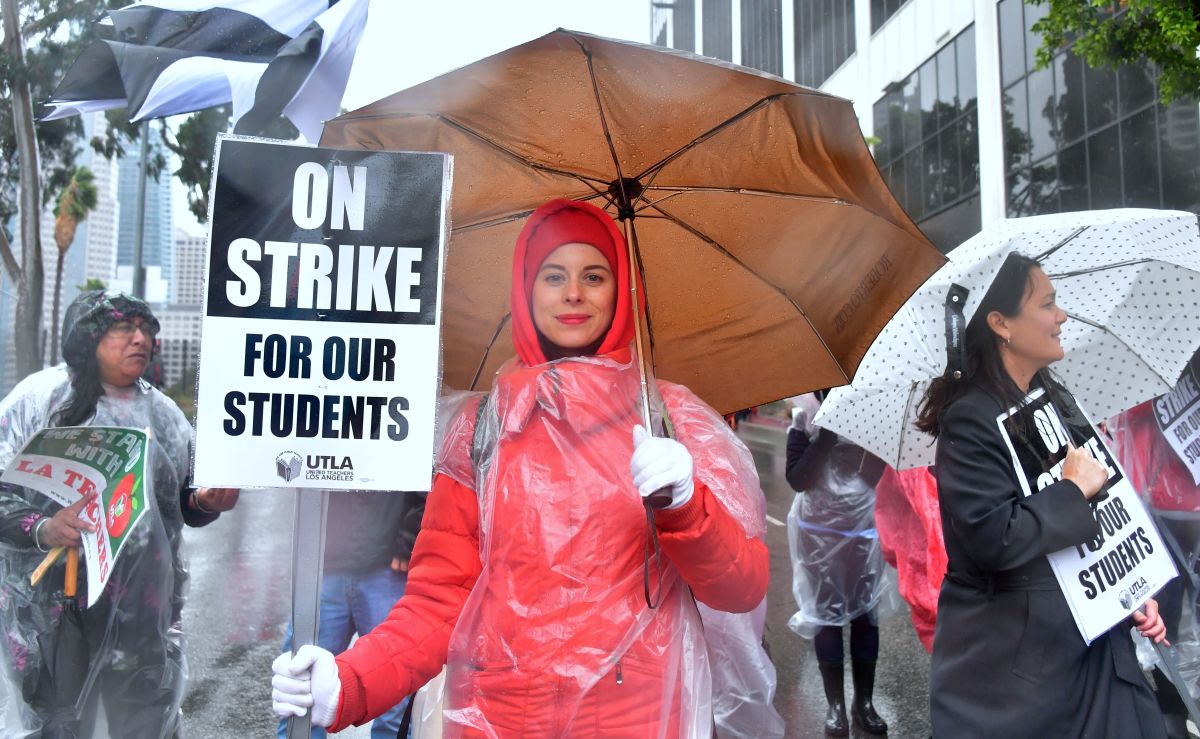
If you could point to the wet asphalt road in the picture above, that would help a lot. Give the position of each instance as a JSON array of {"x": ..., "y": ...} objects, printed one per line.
[{"x": 238, "y": 607}]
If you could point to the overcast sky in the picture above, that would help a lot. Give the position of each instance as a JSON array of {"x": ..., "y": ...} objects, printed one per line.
[{"x": 409, "y": 41}]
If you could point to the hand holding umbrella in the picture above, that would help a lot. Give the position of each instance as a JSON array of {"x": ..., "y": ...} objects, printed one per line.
[{"x": 661, "y": 469}]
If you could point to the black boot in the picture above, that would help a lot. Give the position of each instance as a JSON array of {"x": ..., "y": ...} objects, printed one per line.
[
  {"x": 863, "y": 711},
  {"x": 835, "y": 694}
]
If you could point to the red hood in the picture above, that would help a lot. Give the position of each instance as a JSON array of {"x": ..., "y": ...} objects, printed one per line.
[{"x": 525, "y": 335}]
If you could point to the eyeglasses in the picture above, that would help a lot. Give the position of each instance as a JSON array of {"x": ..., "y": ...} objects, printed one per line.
[{"x": 124, "y": 329}]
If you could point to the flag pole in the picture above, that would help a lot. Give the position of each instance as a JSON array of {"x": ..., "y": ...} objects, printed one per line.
[{"x": 139, "y": 230}]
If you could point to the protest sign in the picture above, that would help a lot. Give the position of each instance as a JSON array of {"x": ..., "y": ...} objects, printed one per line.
[
  {"x": 1178, "y": 417},
  {"x": 1106, "y": 579},
  {"x": 71, "y": 462},
  {"x": 319, "y": 354}
]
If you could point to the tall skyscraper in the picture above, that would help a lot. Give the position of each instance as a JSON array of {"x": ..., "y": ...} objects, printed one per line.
[
  {"x": 187, "y": 280},
  {"x": 159, "y": 234}
]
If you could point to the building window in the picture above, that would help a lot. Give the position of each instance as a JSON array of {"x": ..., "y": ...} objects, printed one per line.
[
  {"x": 824, "y": 38},
  {"x": 718, "y": 29},
  {"x": 928, "y": 150},
  {"x": 1077, "y": 138},
  {"x": 673, "y": 23},
  {"x": 881, "y": 10},
  {"x": 762, "y": 35}
]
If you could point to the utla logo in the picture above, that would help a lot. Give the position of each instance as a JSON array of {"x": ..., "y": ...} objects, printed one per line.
[
  {"x": 287, "y": 466},
  {"x": 328, "y": 462}
]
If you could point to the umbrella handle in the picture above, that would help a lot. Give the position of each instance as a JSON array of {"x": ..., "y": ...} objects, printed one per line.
[
  {"x": 50, "y": 558},
  {"x": 71, "y": 581},
  {"x": 660, "y": 498}
]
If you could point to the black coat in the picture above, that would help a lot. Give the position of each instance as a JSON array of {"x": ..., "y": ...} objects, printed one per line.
[
  {"x": 366, "y": 530},
  {"x": 1008, "y": 659}
]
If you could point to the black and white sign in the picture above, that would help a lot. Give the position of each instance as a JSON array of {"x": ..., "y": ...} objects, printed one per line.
[
  {"x": 319, "y": 359},
  {"x": 1178, "y": 417},
  {"x": 1104, "y": 580}
]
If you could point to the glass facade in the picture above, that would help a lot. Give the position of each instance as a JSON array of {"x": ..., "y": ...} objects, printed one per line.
[
  {"x": 718, "y": 29},
  {"x": 678, "y": 17},
  {"x": 824, "y": 38},
  {"x": 762, "y": 35},
  {"x": 928, "y": 149},
  {"x": 881, "y": 10},
  {"x": 1077, "y": 138}
]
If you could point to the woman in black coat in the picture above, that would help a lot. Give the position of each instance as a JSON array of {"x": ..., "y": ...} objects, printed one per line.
[{"x": 1008, "y": 659}]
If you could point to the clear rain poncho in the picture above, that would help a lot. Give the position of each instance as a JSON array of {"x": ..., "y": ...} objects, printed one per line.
[
  {"x": 556, "y": 637},
  {"x": 127, "y": 648},
  {"x": 837, "y": 565}
]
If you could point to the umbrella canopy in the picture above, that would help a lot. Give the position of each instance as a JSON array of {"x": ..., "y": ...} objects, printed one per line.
[
  {"x": 1128, "y": 279},
  {"x": 771, "y": 250}
]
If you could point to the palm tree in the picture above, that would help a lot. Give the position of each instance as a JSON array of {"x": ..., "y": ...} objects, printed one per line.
[{"x": 77, "y": 200}]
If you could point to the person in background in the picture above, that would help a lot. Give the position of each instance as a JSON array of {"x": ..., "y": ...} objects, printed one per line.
[
  {"x": 1156, "y": 471},
  {"x": 127, "y": 649},
  {"x": 369, "y": 538},
  {"x": 838, "y": 575}
]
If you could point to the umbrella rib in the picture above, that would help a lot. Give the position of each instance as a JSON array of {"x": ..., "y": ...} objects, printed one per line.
[
  {"x": 1093, "y": 270},
  {"x": 509, "y": 218},
  {"x": 612, "y": 147},
  {"x": 1107, "y": 330},
  {"x": 712, "y": 243},
  {"x": 676, "y": 191},
  {"x": 1060, "y": 244},
  {"x": 487, "y": 350},
  {"x": 655, "y": 168},
  {"x": 912, "y": 390},
  {"x": 505, "y": 150}
]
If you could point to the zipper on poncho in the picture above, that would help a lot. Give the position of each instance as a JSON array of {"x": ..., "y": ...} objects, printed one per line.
[{"x": 620, "y": 677}]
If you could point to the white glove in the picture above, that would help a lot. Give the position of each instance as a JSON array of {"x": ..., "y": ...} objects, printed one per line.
[
  {"x": 310, "y": 678},
  {"x": 658, "y": 463}
]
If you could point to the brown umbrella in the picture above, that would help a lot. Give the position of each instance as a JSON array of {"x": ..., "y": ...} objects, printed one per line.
[{"x": 772, "y": 252}]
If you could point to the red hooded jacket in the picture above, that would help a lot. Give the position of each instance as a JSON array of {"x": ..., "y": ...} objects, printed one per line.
[{"x": 527, "y": 577}]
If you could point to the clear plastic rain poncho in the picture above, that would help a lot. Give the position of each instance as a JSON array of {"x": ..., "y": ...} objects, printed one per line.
[
  {"x": 131, "y": 652},
  {"x": 556, "y": 637},
  {"x": 837, "y": 565},
  {"x": 743, "y": 676}
]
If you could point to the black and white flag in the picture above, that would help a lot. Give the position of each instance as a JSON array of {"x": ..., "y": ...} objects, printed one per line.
[{"x": 266, "y": 57}]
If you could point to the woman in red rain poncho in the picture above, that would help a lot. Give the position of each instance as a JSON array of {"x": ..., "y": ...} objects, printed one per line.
[{"x": 527, "y": 577}]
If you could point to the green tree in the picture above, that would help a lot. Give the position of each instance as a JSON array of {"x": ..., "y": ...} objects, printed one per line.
[
  {"x": 92, "y": 283},
  {"x": 74, "y": 204},
  {"x": 194, "y": 142},
  {"x": 41, "y": 39},
  {"x": 1109, "y": 33}
]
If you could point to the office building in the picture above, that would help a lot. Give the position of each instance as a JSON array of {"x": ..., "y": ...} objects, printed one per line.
[{"x": 966, "y": 129}]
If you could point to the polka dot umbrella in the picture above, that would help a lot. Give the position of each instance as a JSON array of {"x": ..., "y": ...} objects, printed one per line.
[{"x": 1128, "y": 279}]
